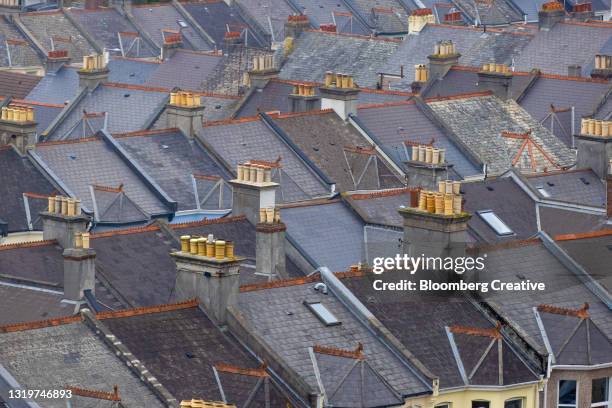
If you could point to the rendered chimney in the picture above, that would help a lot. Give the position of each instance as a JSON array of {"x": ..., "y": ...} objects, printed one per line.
[
  {"x": 18, "y": 127},
  {"x": 186, "y": 112},
  {"x": 603, "y": 67},
  {"x": 270, "y": 252},
  {"x": 594, "y": 144},
  {"x": 445, "y": 55},
  {"x": 421, "y": 76},
  {"x": 437, "y": 227},
  {"x": 207, "y": 269},
  {"x": 56, "y": 60},
  {"x": 304, "y": 98},
  {"x": 253, "y": 189},
  {"x": 427, "y": 165},
  {"x": 295, "y": 25},
  {"x": 263, "y": 71},
  {"x": 550, "y": 14},
  {"x": 79, "y": 268},
  {"x": 94, "y": 72},
  {"x": 418, "y": 19},
  {"x": 339, "y": 93},
  {"x": 171, "y": 41},
  {"x": 496, "y": 78},
  {"x": 63, "y": 220}
]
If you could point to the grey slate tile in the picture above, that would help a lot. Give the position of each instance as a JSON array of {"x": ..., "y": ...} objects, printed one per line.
[{"x": 580, "y": 187}]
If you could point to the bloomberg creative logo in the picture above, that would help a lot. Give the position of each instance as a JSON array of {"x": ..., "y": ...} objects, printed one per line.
[{"x": 459, "y": 265}]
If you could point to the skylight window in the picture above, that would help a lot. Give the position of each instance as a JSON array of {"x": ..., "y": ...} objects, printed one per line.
[
  {"x": 322, "y": 313},
  {"x": 495, "y": 222},
  {"x": 182, "y": 24},
  {"x": 543, "y": 192}
]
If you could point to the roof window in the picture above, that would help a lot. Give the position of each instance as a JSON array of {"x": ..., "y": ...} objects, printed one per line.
[
  {"x": 322, "y": 313},
  {"x": 495, "y": 222},
  {"x": 543, "y": 192}
]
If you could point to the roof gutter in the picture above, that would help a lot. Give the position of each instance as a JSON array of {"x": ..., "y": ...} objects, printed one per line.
[{"x": 581, "y": 367}]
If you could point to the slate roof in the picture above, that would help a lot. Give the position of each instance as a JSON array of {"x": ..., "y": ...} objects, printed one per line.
[
  {"x": 44, "y": 113},
  {"x": 563, "y": 289},
  {"x": 481, "y": 118},
  {"x": 265, "y": 12},
  {"x": 19, "y": 176},
  {"x": 41, "y": 262},
  {"x": 22, "y": 53},
  {"x": 105, "y": 24},
  {"x": 70, "y": 354},
  {"x": 553, "y": 51},
  {"x": 21, "y": 304},
  {"x": 496, "y": 12},
  {"x": 185, "y": 69},
  {"x": 605, "y": 111},
  {"x": 394, "y": 124},
  {"x": 16, "y": 85},
  {"x": 593, "y": 253},
  {"x": 239, "y": 142},
  {"x": 316, "y": 52},
  {"x": 82, "y": 164},
  {"x": 215, "y": 16},
  {"x": 530, "y": 7},
  {"x": 561, "y": 221},
  {"x": 153, "y": 18},
  {"x": 330, "y": 142},
  {"x": 475, "y": 47},
  {"x": 338, "y": 231},
  {"x": 171, "y": 160},
  {"x": 579, "y": 187},
  {"x": 48, "y": 25},
  {"x": 389, "y": 16},
  {"x": 129, "y": 108},
  {"x": 266, "y": 311},
  {"x": 321, "y": 11}
]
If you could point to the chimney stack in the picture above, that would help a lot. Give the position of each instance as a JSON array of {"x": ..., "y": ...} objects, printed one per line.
[
  {"x": 574, "y": 71},
  {"x": 594, "y": 144},
  {"x": 445, "y": 55},
  {"x": 79, "y": 268},
  {"x": 94, "y": 72},
  {"x": 454, "y": 18},
  {"x": 63, "y": 220},
  {"x": 171, "y": 41},
  {"x": 253, "y": 189},
  {"x": 295, "y": 25},
  {"x": 437, "y": 226},
  {"x": 56, "y": 59},
  {"x": 603, "y": 67},
  {"x": 496, "y": 78},
  {"x": 207, "y": 269},
  {"x": 582, "y": 12},
  {"x": 263, "y": 71},
  {"x": 421, "y": 76},
  {"x": 186, "y": 112},
  {"x": 231, "y": 41},
  {"x": 427, "y": 165},
  {"x": 18, "y": 127},
  {"x": 339, "y": 93},
  {"x": 304, "y": 98},
  {"x": 419, "y": 18},
  {"x": 550, "y": 14},
  {"x": 270, "y": 230}
]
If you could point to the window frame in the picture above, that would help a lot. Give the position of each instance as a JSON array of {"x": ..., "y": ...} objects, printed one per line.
[
  {"x": 604, "y": 404},
  {"x": 483, "y": 216},
  {"x": 575, "y": 404},
  {"x": 481, "y": 400},
  {"x": 444, "y": 405},
  {"x": 513, "y": 399}
]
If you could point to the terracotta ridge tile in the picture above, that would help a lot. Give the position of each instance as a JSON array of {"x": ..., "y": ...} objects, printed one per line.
[
  {"x": 149, "y": 132},
  {"x": 509, "y": 244},
  {"x": 36, "y": 103},
  {"x": 583, "y": 235},
  {"x": 478, "y": 331},
  {"x": 37, "y": 195},
  {"x": 128, "y": 231},
  {"x": 582, "y": 313},
  {"x": 136, "y": 87},
  {"x": 356, "y": 354},
  {"x": 222, "y": 220},
  {"x": 39, "y": 324},
  {"x": 294, "y": 82},
  {"x": 380, "y": 194},
  {"x": 33, "y": 244},
  {"x": 157, "y": 62},
  {"x": 251, "y": 372},
  {"x": 385, "y": 104},
  {"x": 282, "y": 283},
  {"x": 206, "y": 177},
  {"x": 574, "y": 78},
  {"x": 364, "y": 37},
  {"x": 555, "y": 172},
  {"x": 310, "y": 203},
  {"x": 65, "y": 142},
  {"x": 95, "y": 394},
  {"x": 231, "y": 121},
  {"x": 108, "y": 189},
  {"x": 139, "y": 311},
  {"x": 459, "y": 96},
  {"x": 300, "y": 114},
  {"x": 602, "y": 24}
]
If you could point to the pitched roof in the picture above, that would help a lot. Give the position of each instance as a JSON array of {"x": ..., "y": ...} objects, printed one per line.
[
  {"x": 185, "y": 69},
  {"x": 563, "y": 45},
  {"x": 339, "y": 150},
  {"x": 70, "y": 354},
  {"x": 173, "y": 161},
  {"x": 239, "y": 141},
  {"x": 19, "y": 176},
  {"x": 273, "y": 314},
  {"x": 338, "y": 231},
  {"x": 383, "y": 15},
  {"x": 574, "y": 186},
  {"x": 22, "y": 53},
  {"x": 39, "y": 262},
  {"x": 567, "y": 221},
  {"x": 17, "y": 85},
  {"x": 331, "y": 12},
  {"x": 270, "y": 15},
  {"x": 21, "y": 304},
  {"x": 113, "y": 206},
  {"x": 495, "y": 12},
  {"x": 106, "y": 25},
  {"x": 508, "y": 130},
  {"x": 316, "y": 52}
]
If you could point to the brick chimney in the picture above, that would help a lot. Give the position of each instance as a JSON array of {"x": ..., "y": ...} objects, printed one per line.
[
  {"x": 427, "y": 165},
  {"x": 445, "y": 55},
  {"x": 253, "y": 189},
  {"x": 496, "y": 78},
  {"x": 594, "y": 144},
  {"x": 304, "y": 98},
  {"x": 454, "y": 18},
  {"x": 263, "y": 71},
  {"x": 56, "y": 59},
  {"x": 94, "y": 72},
  {"x": 186, "y": 112},
  {"x": 207, "y": 269},
  {"x": 63, "y": 220},
  {"x": 339, "y": 93},
  {"x": 418, "y": 19},
  {"x": 270, "y": 258},
  {"x": 437, "y": 227},
  {"x": 421, "y": 76},
  {"x": 295, "y": 25},
  {"x": 18, "y": 127},
  {"x": 550, "y": 14},
  {"x": 582, "y": 12},
  {"x": 603, "y": 67},
  {"x": 231, "y": 40},
  {"x": 79, "y": 268},
  {"x": 171, "y": 41}
]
